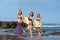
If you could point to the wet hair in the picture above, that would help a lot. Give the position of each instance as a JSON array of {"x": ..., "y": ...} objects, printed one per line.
[{"x": 32, "y": 14}]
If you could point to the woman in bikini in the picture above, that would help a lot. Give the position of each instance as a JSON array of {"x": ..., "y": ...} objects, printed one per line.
[
  {"x": 38, "y": 28},
  {"x": 30, "y": 23}
]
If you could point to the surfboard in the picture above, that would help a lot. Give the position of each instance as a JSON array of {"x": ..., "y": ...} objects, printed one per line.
[
  {"x": 35, "y": 23},
  {"x": 25, "y": 20}
]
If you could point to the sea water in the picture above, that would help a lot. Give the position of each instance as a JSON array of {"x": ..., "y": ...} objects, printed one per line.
[
  {"x": 45, "y": 36},
  {"x": 46, "y": 28}
]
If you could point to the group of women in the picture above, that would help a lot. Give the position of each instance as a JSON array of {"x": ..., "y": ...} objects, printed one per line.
[{"x": 19, "y": 28}]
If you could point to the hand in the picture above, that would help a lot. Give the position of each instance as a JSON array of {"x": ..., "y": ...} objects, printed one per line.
[{"x": 23, "y": 30}]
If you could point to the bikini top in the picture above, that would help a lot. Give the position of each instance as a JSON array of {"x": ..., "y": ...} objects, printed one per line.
[{"x": 38, "y": 19}]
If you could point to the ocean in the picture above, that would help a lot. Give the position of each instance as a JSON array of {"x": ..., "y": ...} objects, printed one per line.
[{"x": 50, "y": 32}]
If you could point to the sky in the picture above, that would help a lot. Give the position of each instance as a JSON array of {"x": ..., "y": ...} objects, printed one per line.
[{"x": 49, "y": 9}]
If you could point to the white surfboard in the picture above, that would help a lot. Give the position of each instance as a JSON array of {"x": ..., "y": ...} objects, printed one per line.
[{"x": 25, "y": 20}]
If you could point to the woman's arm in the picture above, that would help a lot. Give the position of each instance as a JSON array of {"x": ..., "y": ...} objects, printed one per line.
[{"x": 40, "y": 16}]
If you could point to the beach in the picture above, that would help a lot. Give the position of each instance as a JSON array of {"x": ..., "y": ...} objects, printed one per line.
[
  {"x": 51, "y": 34},
  {"x": 30, "y": 15},
  {"x": 7, "y": 37}
]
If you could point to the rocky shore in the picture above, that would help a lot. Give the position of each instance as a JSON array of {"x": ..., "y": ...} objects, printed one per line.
[
  {"x": 8, "y": 37},
  {"x": 55, "y": 33},
  {"x": 10, "y": 24}
]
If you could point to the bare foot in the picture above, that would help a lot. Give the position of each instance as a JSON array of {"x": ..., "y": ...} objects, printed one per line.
[
  {"x": 31, "y": 36},
  {"x": 40, "y": 39},
  {"x": 20, "y": 38}
]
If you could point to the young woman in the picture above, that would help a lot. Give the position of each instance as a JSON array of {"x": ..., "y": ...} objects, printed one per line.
[
  {"x": 19, "y": 30},
  {"x": 30, "y": 23},
  {"x": 38, "y": 28}
]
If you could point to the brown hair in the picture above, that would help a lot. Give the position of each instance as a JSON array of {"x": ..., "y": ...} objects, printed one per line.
[
  {"x": 32, "y": 14},
  {"x": 38, "y": 15}
]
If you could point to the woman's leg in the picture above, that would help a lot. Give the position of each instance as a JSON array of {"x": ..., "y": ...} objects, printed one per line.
[
  {"x": 31, "y": 31},
  {"x": 39, "y": 31}
]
